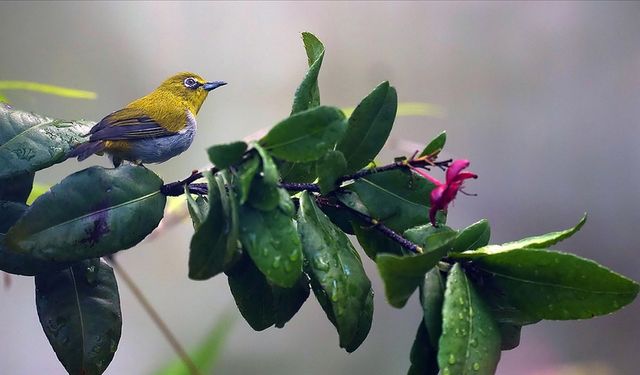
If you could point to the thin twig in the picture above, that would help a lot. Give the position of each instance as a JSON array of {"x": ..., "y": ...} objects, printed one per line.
[
  {"x": 155, "y": 317},
  {"x": 376, "y": 224}
]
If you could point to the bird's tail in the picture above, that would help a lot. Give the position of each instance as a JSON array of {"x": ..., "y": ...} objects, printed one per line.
[{"x": 84, "y": 150}]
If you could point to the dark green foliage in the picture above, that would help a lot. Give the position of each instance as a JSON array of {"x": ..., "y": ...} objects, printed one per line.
[
  {"x": 369, "y": 127},
  {"x": 305, "y": 136},
  {"x": 423, "y": 355},
  {"x": 435, "y": 146},
  {"x": 79, "y": 309},
  {"x": 223, "y": 156},
  {"x": 261, "y": 303},
  {"x": 16, "y": 188},
  {"x": 215, "y": 241},
  {"x": 337, "y": 276},
  {"x": 17, "y": 263},
  {"x": 470, "y": 340},
  {"x": 276, "y": 236},
  {"x": 30, "y": 142},
  {"x": 90, "y": 213}
]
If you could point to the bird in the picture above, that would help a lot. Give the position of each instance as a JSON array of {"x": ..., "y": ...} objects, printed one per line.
[{"x": 153, "y": 128}]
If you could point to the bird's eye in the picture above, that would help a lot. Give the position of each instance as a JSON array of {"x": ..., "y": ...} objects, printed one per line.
[{"x": 190, "y": 82}]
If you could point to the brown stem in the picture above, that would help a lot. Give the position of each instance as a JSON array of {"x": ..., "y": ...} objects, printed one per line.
[{"x": 155, "y": 317}]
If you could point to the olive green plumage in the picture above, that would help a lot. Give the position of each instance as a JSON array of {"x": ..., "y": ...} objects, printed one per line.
[{"x": 153, "y": 128}]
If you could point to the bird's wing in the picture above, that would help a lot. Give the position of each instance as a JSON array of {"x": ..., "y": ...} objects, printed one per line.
[{"x": 127, "y": 124}]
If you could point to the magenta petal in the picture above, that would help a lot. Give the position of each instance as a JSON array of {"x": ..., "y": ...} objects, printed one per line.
[
  {"x": 463, "y": 176},
  {"x": 455, "y": 168}
]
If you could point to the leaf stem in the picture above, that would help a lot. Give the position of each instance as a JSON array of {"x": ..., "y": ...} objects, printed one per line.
[{"x": 155, "y": 317}]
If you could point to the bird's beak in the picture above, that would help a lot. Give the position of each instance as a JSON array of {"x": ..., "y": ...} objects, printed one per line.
[{"x": 212, "y": 85}]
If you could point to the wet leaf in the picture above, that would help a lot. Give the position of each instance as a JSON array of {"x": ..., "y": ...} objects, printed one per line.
[
  {"x": 272, "y": 241},
  {"x": 337, "y": 276},
  {"x": 89, "y": 214},
  {"x": 261, "y": 303},
  {"x": 30, "y": 142},
  {"x": 553, "y": 285},
  {"x": 470, "y": 340},
  {"x": 81, "y": 315},
  {"x": 403, "y": 274},
  {"x": 16, "y": 263}
]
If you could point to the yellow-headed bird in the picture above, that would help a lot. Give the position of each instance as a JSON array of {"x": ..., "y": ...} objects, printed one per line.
[{"x": 151, "y": 129}]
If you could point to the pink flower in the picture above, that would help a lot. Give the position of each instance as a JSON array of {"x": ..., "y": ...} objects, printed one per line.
[{"x": 443, "y": 194}]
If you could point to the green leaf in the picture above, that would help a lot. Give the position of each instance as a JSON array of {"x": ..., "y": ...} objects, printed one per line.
[
  {"x": 431, "y": 299},
  {"x": 252, "y": 294},
  {"x": 369, "y": 127},
  {"x": 337, "y": 276},
  {"x": 288, "y": 301},
  {"x": 16, "y": 188},
  {"x": 509, "y": 335},
  {"x": 264, "y": 194},
  {"x": 298, "y": 172},
  {"x": 424, "y": 357},
  {"x": 473, "y": 237},
  {"x": 30, "y": 142},
  {"x": 269, "y": 168},
  {"x": 245, "y": 175},
  {"x": 215, "y": 242},
  {"x": 502, "y": 310},
  {"x": 205, "y": 355},
  {"x": 537, "y": 242},
  {"x": 340, "y": 217},
  {"x": 308, "y": 95},
  {"x": 470, "y": 340},
  {"x": 329, "y": 168},
  {"x": 435, "y": 146},
  {"x": 226, "y": 155},
  {"x": 402, "y": 274},
  {"x": 47, "y": 89},
  {"x": 272, "y": 241},
  {"x": 198, "y": 208},
  {"x": 91, "y": 213},
  {"x": 261, "y": 303},
  {"x": 406, "y": 205},
  {"x": 425, "y": 235},
  {"x": 16, "y": 263},
  {"x": 553, "y": 285},
  {"x": 305, "y": 136},
  {"x": 79, "y": 309}
]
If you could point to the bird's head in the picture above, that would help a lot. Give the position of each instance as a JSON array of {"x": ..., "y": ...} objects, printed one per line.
[{"x": 190, "y": 88}]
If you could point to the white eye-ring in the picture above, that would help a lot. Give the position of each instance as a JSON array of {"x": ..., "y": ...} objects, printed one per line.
[{"x": 190, "y": 82}]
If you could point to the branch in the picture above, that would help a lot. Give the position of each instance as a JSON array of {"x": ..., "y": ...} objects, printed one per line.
[{"x": 376, "y": 224}]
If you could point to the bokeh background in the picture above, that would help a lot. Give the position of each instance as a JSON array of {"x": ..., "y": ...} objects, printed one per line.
[{"x": 543, "y": 97}]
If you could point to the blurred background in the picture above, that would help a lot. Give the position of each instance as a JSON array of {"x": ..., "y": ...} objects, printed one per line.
[{"x": 542, "y": 97}]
